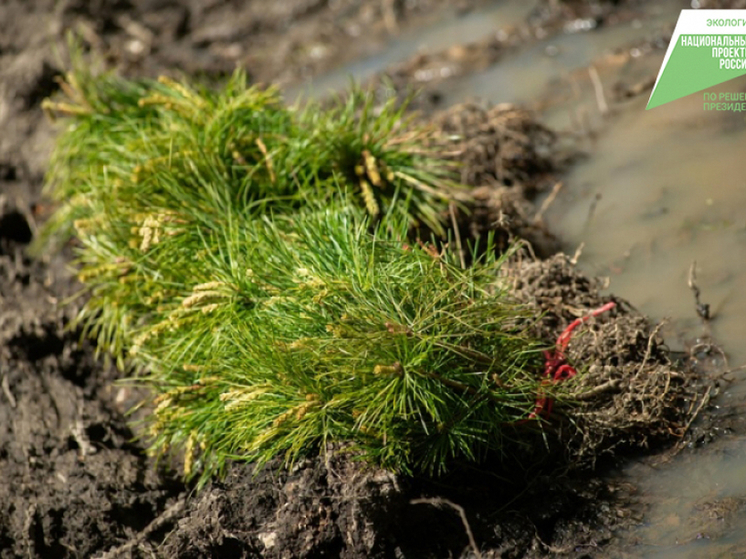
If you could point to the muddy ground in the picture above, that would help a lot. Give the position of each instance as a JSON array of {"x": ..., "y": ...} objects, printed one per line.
[{"x": 76, "y": 482}]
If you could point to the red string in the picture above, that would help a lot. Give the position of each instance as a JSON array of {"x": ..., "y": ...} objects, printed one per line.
[{"x": 556, "y": 368}]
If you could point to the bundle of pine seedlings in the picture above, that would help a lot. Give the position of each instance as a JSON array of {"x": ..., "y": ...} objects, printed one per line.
[{"x": 250, "y": 264}]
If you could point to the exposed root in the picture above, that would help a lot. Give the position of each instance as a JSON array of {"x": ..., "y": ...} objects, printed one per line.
[
  {"x": 440, "y": 502},
  {"x": 171, "y": 512}
]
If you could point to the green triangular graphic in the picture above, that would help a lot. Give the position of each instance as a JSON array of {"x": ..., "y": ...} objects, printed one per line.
[{"x": 690, "y": 69}]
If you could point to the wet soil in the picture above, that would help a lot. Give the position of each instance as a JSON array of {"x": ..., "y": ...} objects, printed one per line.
[
  {"x": 73, "y": 481},
  {"x": 76, "y": 480}
]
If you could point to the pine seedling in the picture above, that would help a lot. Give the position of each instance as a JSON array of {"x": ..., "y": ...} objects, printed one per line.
[
  {"x": 135, "y": 148},
  {"x": 141, "y": 161},
  {"x": 295, "y": 332},
  {"x": 250, "y": 262}
]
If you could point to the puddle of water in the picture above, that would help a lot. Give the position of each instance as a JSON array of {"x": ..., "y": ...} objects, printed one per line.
[
  {"x": 454, "y": 29},
  {"x": 696, "y": 505},
  {"x": 667, "y": 187}
]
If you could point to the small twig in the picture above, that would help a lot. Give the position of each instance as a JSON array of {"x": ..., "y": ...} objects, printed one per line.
[
  {"x": 548, "y": 201},
  {"x": 441, "y": 502},
  {"x": 600, "y": 389},
  {"x": 649, "y": 349},
  {"x": 578, "y": 252},
  {"x": 598, "y": 87},
  {"x": 457, "y": 234},
  {"x": 705, "y": 400},
  {"x": 592, "y": 208},
  {"x": 8, "y": 393},
  {"x": 139, "y": 538},
  {"x": 703, "y": 309}
]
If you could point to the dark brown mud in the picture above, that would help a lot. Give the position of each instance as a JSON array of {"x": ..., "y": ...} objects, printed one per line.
[{"x": 76, "y": 480}]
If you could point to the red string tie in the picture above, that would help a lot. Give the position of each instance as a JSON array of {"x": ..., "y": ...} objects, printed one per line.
[{"x": 556, "y": 368}]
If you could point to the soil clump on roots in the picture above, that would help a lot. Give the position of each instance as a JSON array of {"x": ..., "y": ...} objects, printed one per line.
[{"x": 630, "y": 392}]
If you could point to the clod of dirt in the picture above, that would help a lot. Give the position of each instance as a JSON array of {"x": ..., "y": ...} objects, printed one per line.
[
  {"x": 331, "y": 507},
  {"x": 630, "y": 393},
  {"x": 510, "y": 216},
  {"x": 509, "y": 157},
  {"x": 503, "y": 145}
]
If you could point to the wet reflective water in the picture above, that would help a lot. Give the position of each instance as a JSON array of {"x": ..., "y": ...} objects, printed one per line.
[
  {"x": 697, "y": 505},
  {"x": 452, "y": 29},
  {"x": 659, "y": 190}
]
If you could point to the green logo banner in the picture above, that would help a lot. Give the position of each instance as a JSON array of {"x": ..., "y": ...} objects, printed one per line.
[{"x": 708, "y": 47}]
